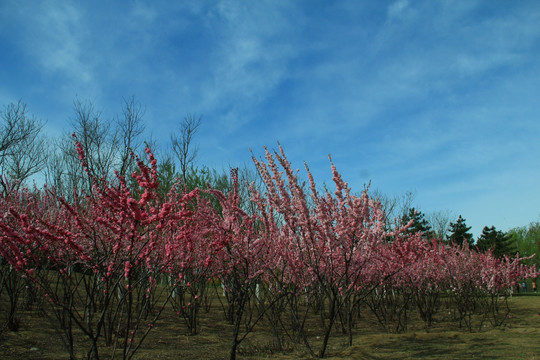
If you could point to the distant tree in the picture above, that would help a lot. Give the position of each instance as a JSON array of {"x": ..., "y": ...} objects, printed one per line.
[
  {"x": 526, "y": 239},
  {"x": 22, "y": 148},
  {"x": 130, "y": 127},
  {"x": 440, "y": 222},
  {"x": 182, "y": 143},
  {"x": 100, "y": 143},
  {"x": 204, "y": 177},
  {"x": 459, "y": 233},
  {"x": 496, "y": 240},
  {"x": 98, "y": 138},
  {"x": 167, "y": 176},
  {"x": 420, "y": 224},
  {"x": 393, "y": 206},
  {"x": 196, "y": 177},
  {"x": 108, "y": 145}
]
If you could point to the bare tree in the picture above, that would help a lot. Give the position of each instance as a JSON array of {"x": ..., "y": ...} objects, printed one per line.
[
  {"x": 55, "y": 169},
  {"x": 130, "y": 128},
  {"x": 182, "y": 143},
  {"x": 406, "y": 202},
  {"x": 22, "y": 153},
  {"x": 389, "y": 205},
  {"x": 108, "y": 146},
  {"x": 27, "y": 159},
  {"x": 16, "y": 126},
  {"x": 440, "y": 223},
  {"x": 98, "y": 138},
  {"x": 394, "y": 206},
  {"x": 64, "y": 171}
]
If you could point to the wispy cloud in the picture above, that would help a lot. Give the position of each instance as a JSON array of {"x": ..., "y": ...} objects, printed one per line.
[
  {"x": 398, "y": 9},
  {"x": 54, "y": 36},
  {"x": 250, "y": 58}
]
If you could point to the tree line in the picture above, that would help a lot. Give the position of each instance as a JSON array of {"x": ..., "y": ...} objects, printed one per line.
[{"x": 25, "y": 152}]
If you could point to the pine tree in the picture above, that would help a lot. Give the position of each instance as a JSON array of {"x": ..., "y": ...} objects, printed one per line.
[
  {"x": 497, "y": 240},
  {"x": 420, "y": 224},
  {"x": 459, "y": 233}
]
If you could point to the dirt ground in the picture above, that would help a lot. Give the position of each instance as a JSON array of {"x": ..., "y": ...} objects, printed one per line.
[{"x": 517, "y": 339}]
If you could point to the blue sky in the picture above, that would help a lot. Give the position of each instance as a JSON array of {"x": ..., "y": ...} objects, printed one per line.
[{"x": 436, "y": 97}]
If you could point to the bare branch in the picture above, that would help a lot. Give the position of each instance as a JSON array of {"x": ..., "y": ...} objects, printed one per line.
[
  {"x": 21, "y": 146},
  {"x": 440, "y": 222},
  {"x": 130, "y": 128},
  {"x": 182, "y": 143}
]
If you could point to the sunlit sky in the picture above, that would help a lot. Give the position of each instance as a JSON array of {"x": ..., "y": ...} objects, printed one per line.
[{"x": 441, "y": 98}]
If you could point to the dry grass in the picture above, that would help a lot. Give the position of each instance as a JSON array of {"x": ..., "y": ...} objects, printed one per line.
[{"x": 518, "y": 339}]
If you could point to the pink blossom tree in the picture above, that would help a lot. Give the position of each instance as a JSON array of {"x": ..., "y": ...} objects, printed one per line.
[
  {"x": 97, "y": 260},
  {"x": 498, "y": 276},
  {"x": 332, "y": 236},
  {"x": 244, "y": 259},
  {"x": 193, "y": 259}
]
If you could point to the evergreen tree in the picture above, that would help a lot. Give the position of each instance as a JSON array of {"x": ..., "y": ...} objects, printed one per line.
[
  {"x": 459, "y": 233},
  {"x": 497, "y": 240},
  {"x": 420, "y": 224},
  {"x": 167, "y": 176}
]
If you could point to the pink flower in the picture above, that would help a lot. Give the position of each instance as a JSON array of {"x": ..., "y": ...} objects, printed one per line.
[{"x": 127, "y": 269}]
